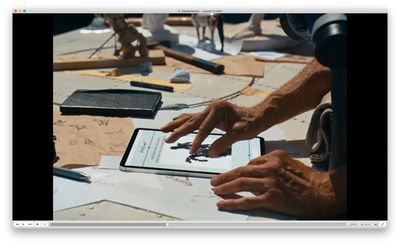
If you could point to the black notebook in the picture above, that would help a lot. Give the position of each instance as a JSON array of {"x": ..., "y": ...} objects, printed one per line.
[{"x": 112, "y": 102}]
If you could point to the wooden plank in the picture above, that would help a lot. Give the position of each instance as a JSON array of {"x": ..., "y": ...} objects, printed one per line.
[
  {"x": 295, "y": 59},
  {"x": 103, "y": 60}
]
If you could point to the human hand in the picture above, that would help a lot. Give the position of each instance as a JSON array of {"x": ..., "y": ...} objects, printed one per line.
[
  {"x": 239, "y": 123},
  {"x": 282, "y": 184}
]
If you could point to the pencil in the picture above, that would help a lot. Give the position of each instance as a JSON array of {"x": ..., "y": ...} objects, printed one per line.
[{"x": 71, "y": 174}]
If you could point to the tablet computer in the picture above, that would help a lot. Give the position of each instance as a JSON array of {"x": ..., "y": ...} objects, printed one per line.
[{"x": 148, "y": 152}]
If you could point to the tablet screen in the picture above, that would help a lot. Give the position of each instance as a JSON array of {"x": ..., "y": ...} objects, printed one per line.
[{"x": 149, "y": 150}]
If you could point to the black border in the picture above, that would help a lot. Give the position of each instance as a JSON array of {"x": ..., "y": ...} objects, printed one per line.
[
  {"x": 367, "y": 84},
  {"x": 32, "y": 90},
  {"x": 132, "y": 141}
]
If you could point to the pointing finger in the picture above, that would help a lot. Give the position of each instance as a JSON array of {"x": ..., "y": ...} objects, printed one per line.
[
  {"x": 221, "y": 144},
  {"x": 204, "y": 130}
]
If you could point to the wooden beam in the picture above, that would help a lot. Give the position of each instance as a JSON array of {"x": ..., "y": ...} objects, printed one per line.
[
  {"x": 103, "y": 60},
  {"x": 290, "y": 59}
]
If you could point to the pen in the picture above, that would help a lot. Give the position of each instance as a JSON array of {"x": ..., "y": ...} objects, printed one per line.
[
  {"x": 153, "y": 86},
  {"x": 71, "y": 174}
]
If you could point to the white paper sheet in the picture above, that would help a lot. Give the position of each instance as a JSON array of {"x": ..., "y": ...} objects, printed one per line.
[
  {"x": 185, "y": 198},
  {"x": 110, "y": 162},
  {"x": 188, "y": 44},
  {"x": 181, "y": 197},
  {"x": 105, "y": 184},
  {"x": 267, "y": 54}
]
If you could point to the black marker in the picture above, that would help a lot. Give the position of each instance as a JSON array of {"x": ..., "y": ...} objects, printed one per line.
[
  {"x": 152, "y": 86},
  {"x": 71, "y": 174}
]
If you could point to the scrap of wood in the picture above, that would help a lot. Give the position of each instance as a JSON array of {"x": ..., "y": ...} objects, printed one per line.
[
  {"x": 241, "y": 65},
  {"x": 288, "y": 59},
  {"x": 104, "y": 59},
  {"x": 171, "y": 20}
]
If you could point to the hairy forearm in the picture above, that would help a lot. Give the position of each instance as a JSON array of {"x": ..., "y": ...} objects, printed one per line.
[{"x": 302, "y": 93}]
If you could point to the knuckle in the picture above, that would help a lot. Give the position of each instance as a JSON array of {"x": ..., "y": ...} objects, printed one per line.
[
  {"x": 216, "y": 103},
  {"x": 240, "y": 171},
  {"x": 191, "y": 121},
  {"x": 265, "y": 186},
  {"x": 279, "y": 153},
  {"x": 241, "y": 181},
  {"x": 270, "y": 168},
  {"x": 247, "y": 169},
  {"x": 252, "y": 161},
  {"x": 243, "y": 127},
  {"x": 259, "y": 183},
  {"x": 257, "y": 161},
  {"x": 247, "y": 202},
  {"x": 220, "y": 104},
  {"x": 270, "y": 182}
]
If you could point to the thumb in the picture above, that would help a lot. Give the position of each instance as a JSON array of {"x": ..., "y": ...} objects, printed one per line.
[{"x": 221, "y": 144}]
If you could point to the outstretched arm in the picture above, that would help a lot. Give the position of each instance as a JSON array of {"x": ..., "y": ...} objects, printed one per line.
[{"x": 302, "y": 93}]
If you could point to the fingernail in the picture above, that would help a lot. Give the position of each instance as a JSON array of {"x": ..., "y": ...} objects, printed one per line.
[{"x": 212, "y": 181}]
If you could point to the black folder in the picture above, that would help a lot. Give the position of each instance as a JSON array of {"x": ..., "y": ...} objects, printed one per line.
[{"x": 112, "y": 102}]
